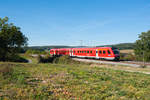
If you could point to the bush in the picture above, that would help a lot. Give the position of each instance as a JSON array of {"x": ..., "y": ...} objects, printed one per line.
[
  {"x": 63, "y": 60},
  {"x": 46, "y": 59},
  {"x": 57, "y": 60},
  {"x": 127, "y": 57}
]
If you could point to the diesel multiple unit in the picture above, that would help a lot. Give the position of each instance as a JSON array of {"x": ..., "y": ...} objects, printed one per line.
[{"x": 107, "y": 53}]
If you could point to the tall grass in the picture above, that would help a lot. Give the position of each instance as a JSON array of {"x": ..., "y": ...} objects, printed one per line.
[
  {"x": 6, "y": 71},
  {"x": 72, "y": 82}
]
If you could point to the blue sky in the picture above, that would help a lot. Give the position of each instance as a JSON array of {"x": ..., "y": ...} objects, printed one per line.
[{"x": 67, "y": 22}]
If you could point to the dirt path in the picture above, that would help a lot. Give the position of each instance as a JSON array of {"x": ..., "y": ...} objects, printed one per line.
[{"x": 29, "y": 61}]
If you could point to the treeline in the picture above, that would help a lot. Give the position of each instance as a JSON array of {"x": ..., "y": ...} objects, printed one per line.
[
  {"x": 43, "y": 48},
  {"x": 31, "y": 51},
  {"x": 121, "y": 46}
]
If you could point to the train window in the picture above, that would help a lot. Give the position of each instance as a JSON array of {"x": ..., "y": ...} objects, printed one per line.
[
  {"x": 87, "y": 51},
  {"x": 78, "y": 51},
  {"x": 104, "y": 52},
  {"x": 100, "y": 52},
  {"x": 108, "y": 52},
  {"x": 116, "y": 52},
  {"x": 74, "y": 52},
  {"x": 82, "y": 51},
  {"x": 90, "y": 51}
]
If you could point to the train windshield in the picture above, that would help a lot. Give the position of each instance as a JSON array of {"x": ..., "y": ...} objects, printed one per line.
[{"x": 116, "y": 51}]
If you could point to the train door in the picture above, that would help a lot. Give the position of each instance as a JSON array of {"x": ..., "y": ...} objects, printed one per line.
[
  {"x": 97, "y": 54},
  {"x": 104, "y": 53},
  {"x": 54, "y": 52},
  {"x": 100, "y": 53},
  {"x": 70, "y": 52}
]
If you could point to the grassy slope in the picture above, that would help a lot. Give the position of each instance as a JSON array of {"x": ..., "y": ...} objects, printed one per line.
[{"x": 57, "y": 81}]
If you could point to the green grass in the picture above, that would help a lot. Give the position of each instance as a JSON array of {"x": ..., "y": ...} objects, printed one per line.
[{"x": 70, "y": 82}]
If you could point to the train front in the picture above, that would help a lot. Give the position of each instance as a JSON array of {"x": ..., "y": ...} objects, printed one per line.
[{"x": 116, "y": 53}]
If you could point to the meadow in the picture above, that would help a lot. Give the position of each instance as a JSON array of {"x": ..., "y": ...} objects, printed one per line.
[{"x": 70, "y": 82}]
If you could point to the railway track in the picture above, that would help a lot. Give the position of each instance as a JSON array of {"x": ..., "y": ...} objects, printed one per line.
[{"x": 124, "y": 63}]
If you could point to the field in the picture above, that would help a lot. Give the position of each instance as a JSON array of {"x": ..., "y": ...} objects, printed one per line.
[
  {"x": 71, "y": 82},
  {"x": 128, "y": 51}
]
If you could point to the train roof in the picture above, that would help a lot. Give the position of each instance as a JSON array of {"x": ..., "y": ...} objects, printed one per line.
[{"x": 83, "y": 48}]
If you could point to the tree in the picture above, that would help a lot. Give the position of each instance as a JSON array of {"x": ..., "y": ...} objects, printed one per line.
[
  {"x": 142, "y": 47},
  {"x": 11, "y": 39}
]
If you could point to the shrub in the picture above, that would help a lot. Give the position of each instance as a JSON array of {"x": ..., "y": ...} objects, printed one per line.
[
  {"x": 57, "y": 59},
  {"x": 62, "y": 60},
  {"x": 46, "y": 59},
  {"x": 65, "y": 60},
  {"x": 127, "y": 57}
]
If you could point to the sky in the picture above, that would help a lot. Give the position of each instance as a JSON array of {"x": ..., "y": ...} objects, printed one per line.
[{"x": 78, "y": 22}]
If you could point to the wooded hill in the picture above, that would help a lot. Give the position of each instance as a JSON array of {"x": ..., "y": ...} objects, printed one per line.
[{"x": 120, "y": 46}]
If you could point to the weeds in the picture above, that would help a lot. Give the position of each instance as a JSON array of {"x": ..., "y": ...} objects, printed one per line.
[
  {"x": 74, "y": 81},
  {"x": 6, "y": 71}
]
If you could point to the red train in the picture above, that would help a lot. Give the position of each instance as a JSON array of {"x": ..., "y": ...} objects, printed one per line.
[{"x": 107, "y": 53}]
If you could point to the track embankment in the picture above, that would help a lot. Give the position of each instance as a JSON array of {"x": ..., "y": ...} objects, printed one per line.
[
  {"x": 109, "y": 62},
  {"x": 122, "y": 66}
]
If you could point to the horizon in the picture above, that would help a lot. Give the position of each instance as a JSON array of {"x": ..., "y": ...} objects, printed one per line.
[
  {"x": 74, "y": 23},
  {"x": 76, "y": 45}
]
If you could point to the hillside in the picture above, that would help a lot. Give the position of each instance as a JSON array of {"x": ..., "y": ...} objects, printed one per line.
[{"x": 121, "y": 46}]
